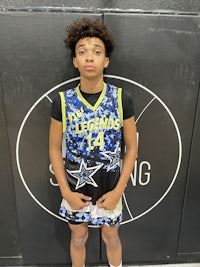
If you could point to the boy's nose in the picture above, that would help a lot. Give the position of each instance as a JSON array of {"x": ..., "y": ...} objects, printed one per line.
[{"x": 89, "y": 56}]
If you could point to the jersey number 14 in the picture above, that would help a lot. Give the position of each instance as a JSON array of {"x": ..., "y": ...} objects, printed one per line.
[{"x": 98, "y": 141}]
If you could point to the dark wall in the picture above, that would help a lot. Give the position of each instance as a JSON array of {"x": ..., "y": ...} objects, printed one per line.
[
  {"x": 8, "y": 219},
  {"x": 95, "y": 5},
  {"x": 157, "y": 59}
]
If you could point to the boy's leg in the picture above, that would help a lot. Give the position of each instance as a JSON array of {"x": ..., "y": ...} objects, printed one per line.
[
  {"x": 79, "y": 236},
  {"x": 113, "y": 244}
]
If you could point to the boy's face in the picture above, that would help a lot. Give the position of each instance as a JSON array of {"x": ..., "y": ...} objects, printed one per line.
[{"x": 90, "y": 57}]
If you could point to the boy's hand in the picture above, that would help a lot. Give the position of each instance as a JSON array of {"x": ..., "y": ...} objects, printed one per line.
[
  {"x": 109, "y": 200},
  {"x": 77, "y": 201}
]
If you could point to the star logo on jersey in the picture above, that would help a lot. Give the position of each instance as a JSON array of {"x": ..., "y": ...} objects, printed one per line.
[
  {"x": 113, "y": 157},
  {"x": 84, "y": 174}
]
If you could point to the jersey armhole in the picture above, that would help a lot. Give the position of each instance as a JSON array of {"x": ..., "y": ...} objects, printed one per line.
[
  {"x": 120, "y": 105},
  {"x": 62, "y": 98}
]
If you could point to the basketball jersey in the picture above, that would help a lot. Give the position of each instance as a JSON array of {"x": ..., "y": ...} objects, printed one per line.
[{"x": 93, "y": 140}]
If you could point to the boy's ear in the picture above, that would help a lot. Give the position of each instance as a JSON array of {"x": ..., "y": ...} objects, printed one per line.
[
  {"x": 75, "y": 62},
  {"x": 106, "y": 62}
]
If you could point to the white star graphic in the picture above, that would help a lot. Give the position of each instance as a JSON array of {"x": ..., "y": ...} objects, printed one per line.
[
  {"x": 113, "y": 157},
  {"x": 84, "y": 174}
]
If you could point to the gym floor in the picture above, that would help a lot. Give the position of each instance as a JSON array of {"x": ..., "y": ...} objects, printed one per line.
[{"x": 159, "y": 265}]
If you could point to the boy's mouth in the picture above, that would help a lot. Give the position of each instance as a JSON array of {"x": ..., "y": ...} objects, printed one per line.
[{"x": 89, "y": 67}]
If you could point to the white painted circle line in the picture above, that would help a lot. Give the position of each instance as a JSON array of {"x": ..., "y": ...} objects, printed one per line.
[{"x": 112, "y": 77}]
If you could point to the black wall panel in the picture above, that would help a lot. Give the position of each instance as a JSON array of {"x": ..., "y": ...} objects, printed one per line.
[
  {"x": 162, "y": 54},
  {"x": 189, "y": 245},
  {"x": 157, "y": 59},
  {"x": 8, "y": 220},
  {"x": 34, "y": 60}
]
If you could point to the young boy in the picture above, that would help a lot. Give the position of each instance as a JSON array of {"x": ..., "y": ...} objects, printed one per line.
[{"x": 92, "y": 116}]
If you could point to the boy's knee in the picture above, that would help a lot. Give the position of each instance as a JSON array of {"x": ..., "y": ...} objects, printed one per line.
[
  {"x": 110, "y": 234},
  {"x": 79, "y": 236},
  {"x": 79, "y": 239}
]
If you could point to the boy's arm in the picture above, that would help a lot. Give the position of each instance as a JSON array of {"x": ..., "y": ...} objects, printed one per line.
[
  {"x": 130, "y": 138},
  {"x": 110, "y": 200},
  {"x": 55, "y": 145}
]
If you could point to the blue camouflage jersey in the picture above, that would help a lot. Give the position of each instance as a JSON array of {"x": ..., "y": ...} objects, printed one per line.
[{"x": 93, "y": 140}]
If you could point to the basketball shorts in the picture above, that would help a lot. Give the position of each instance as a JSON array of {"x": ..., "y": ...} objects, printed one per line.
[{"x": 91, "y": 214}]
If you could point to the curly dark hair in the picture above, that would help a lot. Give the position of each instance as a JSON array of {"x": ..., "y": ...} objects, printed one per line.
[{"x": 86, "y": 27}]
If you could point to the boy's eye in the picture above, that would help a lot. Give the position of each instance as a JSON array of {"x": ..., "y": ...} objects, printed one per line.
[
  {"x": 97, "y": 52},
  {"x": 81, "y": 52}
]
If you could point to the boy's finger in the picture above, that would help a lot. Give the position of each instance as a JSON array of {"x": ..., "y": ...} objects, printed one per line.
[
  {"x": 101, "y": 199},
  {"x": 101, "y": 205},
  {"x": 100, "y": 202},
  {"x": 85, "y": 198}
]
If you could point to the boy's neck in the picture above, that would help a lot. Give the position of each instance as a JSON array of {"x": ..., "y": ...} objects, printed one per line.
[{"x": 91, "y": 86}]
